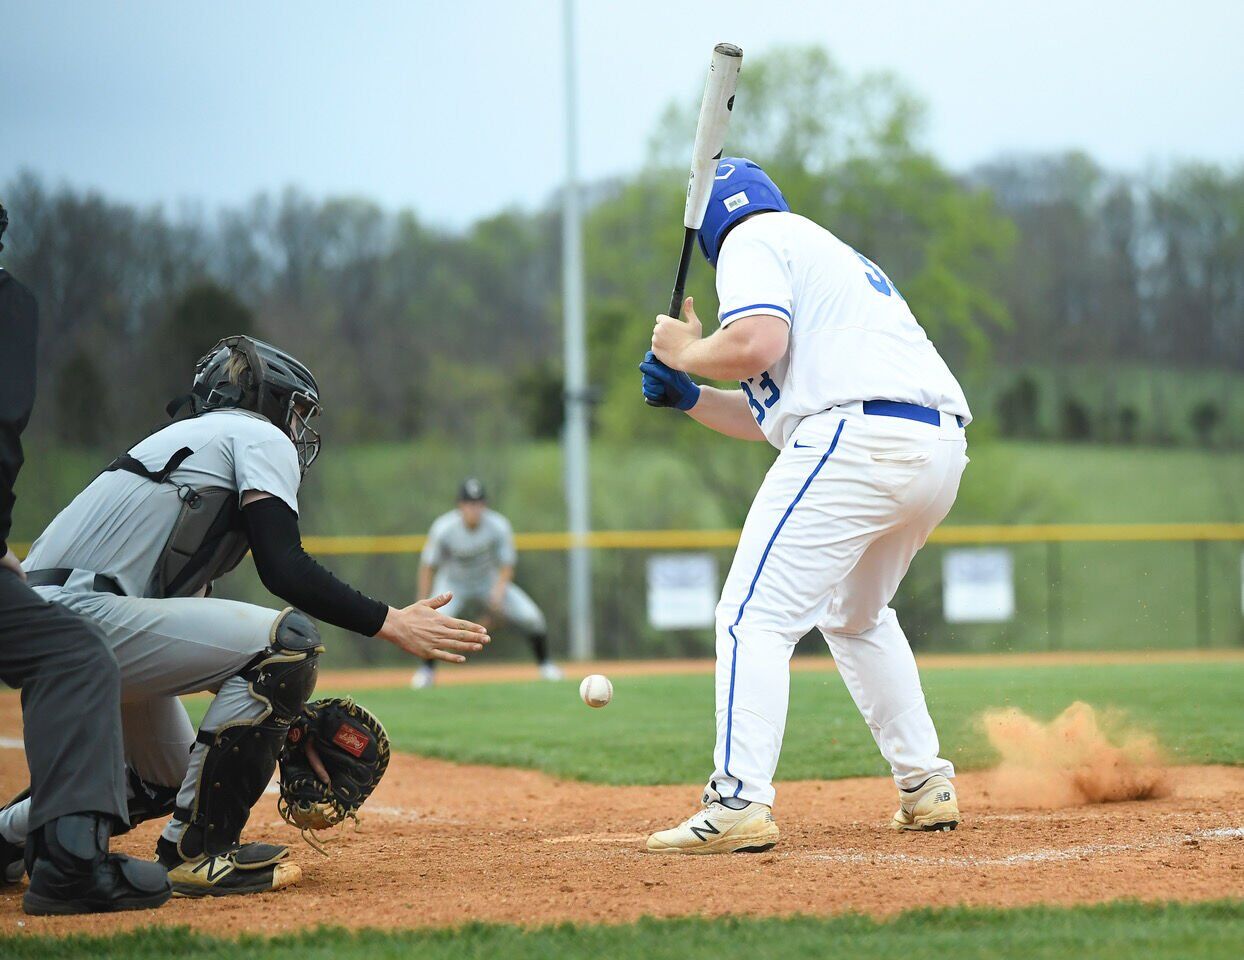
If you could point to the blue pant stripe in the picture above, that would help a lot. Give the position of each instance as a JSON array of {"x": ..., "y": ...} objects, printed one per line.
[{"x": 734, "y": 655}]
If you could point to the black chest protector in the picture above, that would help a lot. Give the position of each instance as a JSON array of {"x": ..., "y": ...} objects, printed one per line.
[{"x": 208, "y": 538}]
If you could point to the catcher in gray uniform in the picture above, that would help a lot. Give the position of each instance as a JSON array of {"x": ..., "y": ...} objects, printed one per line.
[
  {"x": 470, "y": 554},
  {"x": 136, "y": 553}
]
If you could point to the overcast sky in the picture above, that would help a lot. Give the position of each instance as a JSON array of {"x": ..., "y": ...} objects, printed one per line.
[{"x": 455, "y": 108}]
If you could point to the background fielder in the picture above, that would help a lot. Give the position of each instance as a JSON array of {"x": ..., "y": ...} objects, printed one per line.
[
  {"x": 470, "y": 554},
  {"x": 837, "y": 374}
]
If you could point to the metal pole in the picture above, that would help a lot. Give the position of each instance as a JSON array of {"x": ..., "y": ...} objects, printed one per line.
[
  {"x": 575, "y": 438},
  {"x": 1054, "y": 600},
  {"x": 1201, "y": 581}
]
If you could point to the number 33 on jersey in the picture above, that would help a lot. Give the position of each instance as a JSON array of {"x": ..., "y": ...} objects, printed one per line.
[{"x": 852, "y": 335}]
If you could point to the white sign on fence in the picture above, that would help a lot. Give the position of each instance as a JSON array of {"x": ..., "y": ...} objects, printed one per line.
[
  {"x": 978, "y": 586},
  {"x": 682, "y": 590}
]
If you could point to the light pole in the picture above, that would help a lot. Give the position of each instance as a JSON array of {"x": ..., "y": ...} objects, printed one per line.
[{"x": 575, "y": 438}]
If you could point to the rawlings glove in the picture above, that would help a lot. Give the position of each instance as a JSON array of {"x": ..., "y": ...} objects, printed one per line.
[
  {"x": 354, "y": 749},
  {"x": 666, "y": 387}
]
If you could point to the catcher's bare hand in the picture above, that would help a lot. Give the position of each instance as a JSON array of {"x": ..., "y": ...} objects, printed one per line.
[
  {"x": 313, "y": 758},
  {"x": 422, "y": 630}
]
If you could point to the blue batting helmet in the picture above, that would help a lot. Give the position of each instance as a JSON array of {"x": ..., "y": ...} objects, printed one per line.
[{"x": 740, "y": 189}]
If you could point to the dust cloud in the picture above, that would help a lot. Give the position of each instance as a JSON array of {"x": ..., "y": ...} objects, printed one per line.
[{"x": 1079, "y": 757}]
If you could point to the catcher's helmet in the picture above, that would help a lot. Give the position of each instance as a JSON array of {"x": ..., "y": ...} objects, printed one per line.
[
  {"x": 247, "y": 374},
  {"x": 740, "y": 189}
]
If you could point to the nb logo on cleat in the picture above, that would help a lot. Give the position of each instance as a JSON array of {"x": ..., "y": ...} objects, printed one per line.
[
  {"x": 215, "y": 868},
  {"x": 943, "y": 797},
  {"x": 702, "y": 833}
]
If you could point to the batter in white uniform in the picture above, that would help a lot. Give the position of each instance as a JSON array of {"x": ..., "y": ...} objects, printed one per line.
[
  {"x": 837, "y": 374},
  {"x": 470, "y": 554}
]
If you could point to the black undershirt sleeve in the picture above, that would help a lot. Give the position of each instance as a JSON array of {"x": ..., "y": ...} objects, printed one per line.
[{"x": 291, "y": 574}]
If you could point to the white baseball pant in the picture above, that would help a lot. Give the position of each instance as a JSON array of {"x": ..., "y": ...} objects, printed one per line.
[{"x": 849, "y": 501}]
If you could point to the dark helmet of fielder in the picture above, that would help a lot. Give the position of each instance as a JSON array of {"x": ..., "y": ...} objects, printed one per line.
[
  {"x": 472, "y": 491},
  {"x": 740, "y": 189},
  {"x": 243, "y": 373}
]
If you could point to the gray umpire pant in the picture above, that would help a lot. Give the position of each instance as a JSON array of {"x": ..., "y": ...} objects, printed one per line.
[
  {"x": 165, "y": 649},
  {"x": 71, "y": 714}
]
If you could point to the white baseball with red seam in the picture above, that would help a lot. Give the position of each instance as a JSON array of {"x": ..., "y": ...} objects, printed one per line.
[{"x": 596, "y": 690}]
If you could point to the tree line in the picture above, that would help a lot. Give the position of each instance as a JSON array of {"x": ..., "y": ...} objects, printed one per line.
[{"x": 1076, "y": 301}]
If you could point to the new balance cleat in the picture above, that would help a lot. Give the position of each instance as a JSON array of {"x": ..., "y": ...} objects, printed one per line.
[
  {"x": 722, "y": 826},
  {"x": 250, "y": 868},
  {"x": 930, "y": 806}
]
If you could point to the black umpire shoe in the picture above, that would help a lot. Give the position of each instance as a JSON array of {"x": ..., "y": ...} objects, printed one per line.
[{"x": 71, "y": 870}]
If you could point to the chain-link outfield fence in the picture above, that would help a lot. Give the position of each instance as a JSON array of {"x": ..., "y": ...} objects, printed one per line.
[{"x": 1071, "y": 587}]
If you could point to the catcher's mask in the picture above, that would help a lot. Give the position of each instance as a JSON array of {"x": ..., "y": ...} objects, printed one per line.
[{"x": 247, "y": 374}]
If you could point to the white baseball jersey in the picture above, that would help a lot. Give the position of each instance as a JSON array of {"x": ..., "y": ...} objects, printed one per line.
[
  {"x": 468, "y": 560},
  {"x": 852, "y": 335}
]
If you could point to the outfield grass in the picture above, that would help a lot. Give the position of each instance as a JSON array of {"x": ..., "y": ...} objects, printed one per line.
[
  {"x": 1121, "y": 931},
  {"x": 659, "y": 729}
]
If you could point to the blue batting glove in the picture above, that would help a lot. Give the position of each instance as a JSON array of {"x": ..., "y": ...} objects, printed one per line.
[{"x": 666, "y": 387}]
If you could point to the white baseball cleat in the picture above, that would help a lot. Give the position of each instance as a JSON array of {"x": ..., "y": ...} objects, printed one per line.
[
  {"x": 720, "y": 829},
  {"x": 931, "y": 806},
  {"x": 550, "y": 671},
  {"x": 424, "y": 677}
]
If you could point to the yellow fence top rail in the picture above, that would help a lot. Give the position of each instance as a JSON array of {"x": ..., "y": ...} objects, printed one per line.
[{"x": 710, "y": 539}]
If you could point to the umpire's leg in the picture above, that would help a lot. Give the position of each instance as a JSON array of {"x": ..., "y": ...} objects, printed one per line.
[{"x": 71, "y": 713}]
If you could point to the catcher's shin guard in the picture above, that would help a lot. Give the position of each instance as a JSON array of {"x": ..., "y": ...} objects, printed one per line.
[{"x": 241, "y": 757}]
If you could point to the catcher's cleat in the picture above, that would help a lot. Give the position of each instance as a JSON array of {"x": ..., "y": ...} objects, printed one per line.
[
  {"x": 12, "y": 862},
  {"x": 719, "y": 828},
  {"x": 930, "y": 806},
  {"x": 12, "y": 855},
  {"x": 250, "y": 868}
]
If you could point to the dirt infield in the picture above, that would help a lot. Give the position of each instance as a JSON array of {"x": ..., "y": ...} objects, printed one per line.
[{"x": 444, "y": 843}]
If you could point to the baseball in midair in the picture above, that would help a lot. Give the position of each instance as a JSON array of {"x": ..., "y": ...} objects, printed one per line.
[{"x": 596, "y": 690}]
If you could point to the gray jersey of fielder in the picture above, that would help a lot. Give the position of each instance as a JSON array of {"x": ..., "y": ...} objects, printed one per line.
[
  {"x": 166, "y": 647},
  {"x": 468, "y": 561}
]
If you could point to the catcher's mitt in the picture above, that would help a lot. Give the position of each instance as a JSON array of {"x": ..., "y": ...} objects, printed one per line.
[{"x": 352, "y": 745}]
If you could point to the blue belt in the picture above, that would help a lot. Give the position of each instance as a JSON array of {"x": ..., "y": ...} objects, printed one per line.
[{"x": 906, "y": 411}]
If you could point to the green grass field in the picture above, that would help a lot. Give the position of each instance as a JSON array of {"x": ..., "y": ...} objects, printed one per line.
[
  {"x": 660, "y": 729},
  {"x": 1205, "y": 931}
]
